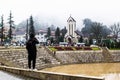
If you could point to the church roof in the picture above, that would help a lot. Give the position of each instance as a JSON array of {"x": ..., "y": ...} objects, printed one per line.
[
  {"x": 71, "y": 19},
  {"x": 78, "y": 33}
]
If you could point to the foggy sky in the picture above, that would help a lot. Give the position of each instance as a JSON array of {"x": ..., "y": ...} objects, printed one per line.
[{"x": 104, "y": 11}]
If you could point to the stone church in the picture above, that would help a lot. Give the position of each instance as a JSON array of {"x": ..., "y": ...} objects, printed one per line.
[{"x": 72, "y": 34}]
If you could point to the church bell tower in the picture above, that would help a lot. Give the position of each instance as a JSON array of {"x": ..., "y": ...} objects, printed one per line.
[{"x": 71, "y": 28}]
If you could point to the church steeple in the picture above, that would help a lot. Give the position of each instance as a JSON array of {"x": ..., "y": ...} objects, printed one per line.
[
  {"x": 71, "y": 27},
  {"x": 70, "y": 19}
]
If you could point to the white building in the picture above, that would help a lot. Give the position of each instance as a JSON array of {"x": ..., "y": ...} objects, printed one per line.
[
  {"x": 22, "y": 37},
  {"x": 41, "y": 36},
  {"x": 19, "y": 38},
  {"x": 71, "y": 28}
]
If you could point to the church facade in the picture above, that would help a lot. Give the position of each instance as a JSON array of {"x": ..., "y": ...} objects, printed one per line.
[{"x": 71, "y": 35}]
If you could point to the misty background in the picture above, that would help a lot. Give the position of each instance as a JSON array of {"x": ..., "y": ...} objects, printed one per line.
[{"x": 48, "y": 13}]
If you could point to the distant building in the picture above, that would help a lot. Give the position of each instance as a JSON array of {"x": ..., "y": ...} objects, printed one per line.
[
  {"x": 6, "y": 29},
  {"x": 72, "y": 34},
  {"x": 41, "y": 36},
  {"x": 19, "y": 38}
]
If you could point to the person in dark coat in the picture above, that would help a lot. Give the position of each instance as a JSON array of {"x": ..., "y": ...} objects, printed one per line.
[{"x": 32, "y": 51}]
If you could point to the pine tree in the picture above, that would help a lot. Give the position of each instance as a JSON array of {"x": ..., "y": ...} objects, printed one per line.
[
  {"x": 11, "y": 23},
  {"x": 48, "y": 32},
  {"x": 57, "y": 34},
  {"x": 64, "y": 31},
  {"x": 2, "y": 29},
  {"x": 31, "y": 26}
]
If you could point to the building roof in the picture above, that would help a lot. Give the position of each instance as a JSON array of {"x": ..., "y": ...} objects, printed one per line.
[
  {"x": 78, "y": 33},
  {"x": 69, "y": 36},
  {"x": 42, "y": 31},
  {"x": 71, "y": 19}
]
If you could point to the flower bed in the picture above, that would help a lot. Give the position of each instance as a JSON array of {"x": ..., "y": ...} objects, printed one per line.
[
  {"x": 87, "y": 48},
  {"x": 68, "y": 48},
  {"x": 59, "y": 48},
  {"x": 78, "y": 48}
]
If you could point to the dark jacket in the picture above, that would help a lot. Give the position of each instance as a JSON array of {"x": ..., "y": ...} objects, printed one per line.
[{"x": 31, "y": 45}]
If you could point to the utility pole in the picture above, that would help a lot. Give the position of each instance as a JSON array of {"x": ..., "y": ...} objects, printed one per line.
[{"x": 27, "y": 32}]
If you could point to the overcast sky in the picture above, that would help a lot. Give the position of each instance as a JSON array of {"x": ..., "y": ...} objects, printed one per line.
[{"x": 104, "y": 11}]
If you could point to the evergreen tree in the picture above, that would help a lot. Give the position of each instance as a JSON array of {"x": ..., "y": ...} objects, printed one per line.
[
  {"x": 62, "y": 34},
  {"x": 52, "y": 40},
  {"x": 31, "y": 26},
  {"x": 64, "y": 31},
  {"x": 11, "y": 23},
  {"x": 61, "y": 38},
  {"x": 80, "y": 39},
  {"x": 57, "y": 34},
  {"x": 48, "y": 32},
  {"x": 2, "y": 29}
]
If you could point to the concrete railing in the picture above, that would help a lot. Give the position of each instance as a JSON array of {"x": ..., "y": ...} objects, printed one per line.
[{"x": 44, "y": 75}]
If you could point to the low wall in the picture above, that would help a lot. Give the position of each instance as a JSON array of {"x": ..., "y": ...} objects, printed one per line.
[
  {"x": 90, "y": 56},
  {"x": 115, "y": 55},
  {"x": 43, "y": 75},
  {"x": 67, "y": 57}
]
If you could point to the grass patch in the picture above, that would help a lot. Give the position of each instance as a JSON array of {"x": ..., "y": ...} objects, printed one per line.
[
  {"x": 95, "y": 48},
  {"x": 52, "y": 49}
]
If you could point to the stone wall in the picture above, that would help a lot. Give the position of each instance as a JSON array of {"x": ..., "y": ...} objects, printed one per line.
[
  {"x": 45, "y": 58},
  {"x": 19, "y": 58},
  {"x": 115, "y": 55},
  {"x": 67, "y": 57}
]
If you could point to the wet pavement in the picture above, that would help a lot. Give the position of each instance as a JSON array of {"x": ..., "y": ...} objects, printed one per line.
[
  {"x": 112, "y": 76},
  {"x": 9, "y": 76}
]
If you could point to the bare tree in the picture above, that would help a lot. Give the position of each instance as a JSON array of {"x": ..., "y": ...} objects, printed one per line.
[
  {"x": 115, "y": 29},
  {"x": 96, "y": 30},
  {"x": 87, "y": 25}
]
